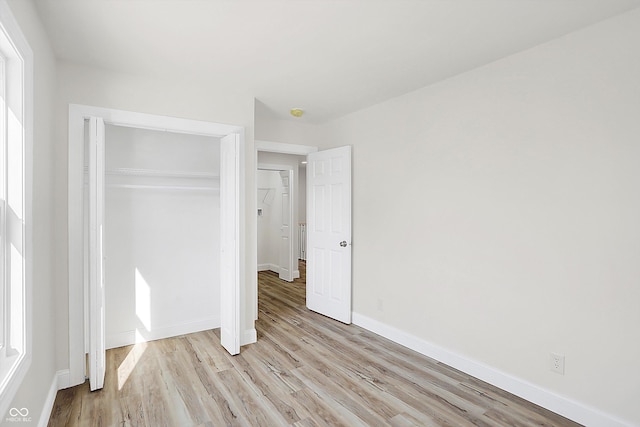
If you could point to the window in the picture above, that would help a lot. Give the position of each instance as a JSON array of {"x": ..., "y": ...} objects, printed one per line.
[{"x": 15, "y": 205}]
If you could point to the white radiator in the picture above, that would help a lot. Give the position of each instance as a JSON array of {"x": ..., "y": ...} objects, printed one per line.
[{"x": 302, "y": 241}]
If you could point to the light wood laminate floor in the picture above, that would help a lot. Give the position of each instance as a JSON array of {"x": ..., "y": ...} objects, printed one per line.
[{"x": 305, "y": 370}]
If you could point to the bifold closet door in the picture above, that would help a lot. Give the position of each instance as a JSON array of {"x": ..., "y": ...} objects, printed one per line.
[
  {"x": 97, "y": 351},
  {"x": 229, "y": 244},
  {"x": 286, "y": 230}
]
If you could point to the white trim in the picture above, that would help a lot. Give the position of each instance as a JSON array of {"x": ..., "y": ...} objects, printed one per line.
[
  {"x": 250, "y": 336},
  {"x": 75, "y": 218},
  {"x": 269, "y": 267},
  {"x": 122, "y": 339},
  {"x": 281, "y": 147},
  {"x": 276, "y": 269},
  {"x": 49, "y": 401},
  {"x": 562, "y": 405},
  {"x": 63, "y": 379},
  {"x": 154, "y": 122},
  {"x": 274, "y": 167}
]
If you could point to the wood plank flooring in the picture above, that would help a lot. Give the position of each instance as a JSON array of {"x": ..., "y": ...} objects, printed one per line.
[{"x": 306, "y": 370}]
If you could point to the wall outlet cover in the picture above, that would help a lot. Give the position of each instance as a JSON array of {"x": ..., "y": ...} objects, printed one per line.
[{"x": 556, "y": 363}]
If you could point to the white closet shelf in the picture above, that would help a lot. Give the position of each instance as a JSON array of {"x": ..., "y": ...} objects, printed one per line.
[
  {"x": 154, "y": 179},
  {"x": 156, "y": 173},
  {"x": 163, "y": 187}
]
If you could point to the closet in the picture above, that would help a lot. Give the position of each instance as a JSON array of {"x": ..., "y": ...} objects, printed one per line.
[{"x": 162, "y": 234}]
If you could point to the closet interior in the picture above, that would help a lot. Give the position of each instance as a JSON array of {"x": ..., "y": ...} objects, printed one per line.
[{"x": 162, "y": 234}]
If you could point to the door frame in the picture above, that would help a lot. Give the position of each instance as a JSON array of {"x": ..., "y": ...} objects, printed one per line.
[
  {"x": 268, "y": 147},
  {"x": 293, "y": 200},
  {"x": 75, "y": 204}
]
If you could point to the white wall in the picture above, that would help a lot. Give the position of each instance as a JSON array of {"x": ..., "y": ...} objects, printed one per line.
[
  {"x": 496, "y": 215},
  {"x": 209, "y": 101},
  {"x": 162, "y": 235},
  {"x": 35, "y": 393},
  {"x": 298, "y": 131}
]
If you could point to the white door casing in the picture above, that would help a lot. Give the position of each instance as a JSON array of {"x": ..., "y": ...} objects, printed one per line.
[
  {"x": 286, "y": 228},
  {"x": 229, "y": 244},
  {"x": 329, "y": 233},
  {"x": 271, "y": 147},
  {"x": 79, "y": 345},
  {"x": 97, "y": 351}
]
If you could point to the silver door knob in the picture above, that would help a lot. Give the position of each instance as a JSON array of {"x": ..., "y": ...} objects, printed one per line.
[{"x": 343, "y": 244}]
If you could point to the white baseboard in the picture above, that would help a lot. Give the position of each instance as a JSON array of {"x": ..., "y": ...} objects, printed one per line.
[
  {"x": 562, "y": 405},
  {"x": 121, "y": 339},
  {"x": 269, "y": 267},
  {"x": 250, "y": 336},
  {"x": 63, "y": 379},
  {"x": 51, "y": 398},
  {"x": 276, "y": 269}
]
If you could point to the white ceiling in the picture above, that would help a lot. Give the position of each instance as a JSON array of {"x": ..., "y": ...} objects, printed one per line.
[{"x": 330, "y": 57}]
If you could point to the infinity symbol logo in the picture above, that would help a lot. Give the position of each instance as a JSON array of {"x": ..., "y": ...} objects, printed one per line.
[{"x": 14, "y": 412}]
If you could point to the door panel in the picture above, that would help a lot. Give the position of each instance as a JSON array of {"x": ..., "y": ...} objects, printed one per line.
[
  {"x": 286, "y": 229},
  {"x": 329, "y": 233},
  {"x": 229, "y": 244},
  {"x": 97, "y": 348}
]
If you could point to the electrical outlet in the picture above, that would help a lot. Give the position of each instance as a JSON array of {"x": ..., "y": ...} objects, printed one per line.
[{"x": 556, "y": 363}]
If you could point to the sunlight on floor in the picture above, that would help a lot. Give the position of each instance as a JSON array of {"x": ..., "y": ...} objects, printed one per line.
[{"x": 129, "y": 363}]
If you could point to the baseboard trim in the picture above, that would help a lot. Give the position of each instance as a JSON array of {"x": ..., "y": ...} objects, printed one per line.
[
  {"x": 122, "y": 339},
  {"x": 269, "y": 267},
  {"x": 562, "y": 405},
  {"x": 296, "y": 274},
  {"x": 250, "y": 336},
  {"x": 63, "y": 379},
  {"x": 50, "y": 400}
]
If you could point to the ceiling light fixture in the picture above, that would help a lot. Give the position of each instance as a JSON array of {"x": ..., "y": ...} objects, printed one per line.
[{"x": 297, "y": 112}]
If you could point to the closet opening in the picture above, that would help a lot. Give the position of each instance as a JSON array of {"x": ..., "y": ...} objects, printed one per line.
[
  {"x": 162, "y": 234},
  {"x": 154, "y": 205}
]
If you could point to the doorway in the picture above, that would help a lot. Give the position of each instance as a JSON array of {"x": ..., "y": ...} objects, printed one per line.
[
  {"x": 328, "y": 232},
  {"x": 231, "y": 196},
  {"x": 277, "y": 220}
]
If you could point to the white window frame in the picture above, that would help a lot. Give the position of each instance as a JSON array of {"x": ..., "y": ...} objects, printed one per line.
[{"x": 16, "y": 144}]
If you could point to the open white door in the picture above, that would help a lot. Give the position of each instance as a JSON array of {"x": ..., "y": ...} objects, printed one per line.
[
  {"x": 229, "y": 244},
  {"x": 286, "y": 229},
  {"x": 329, "y": 233},
  {"x": 97, "y": 351}
]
